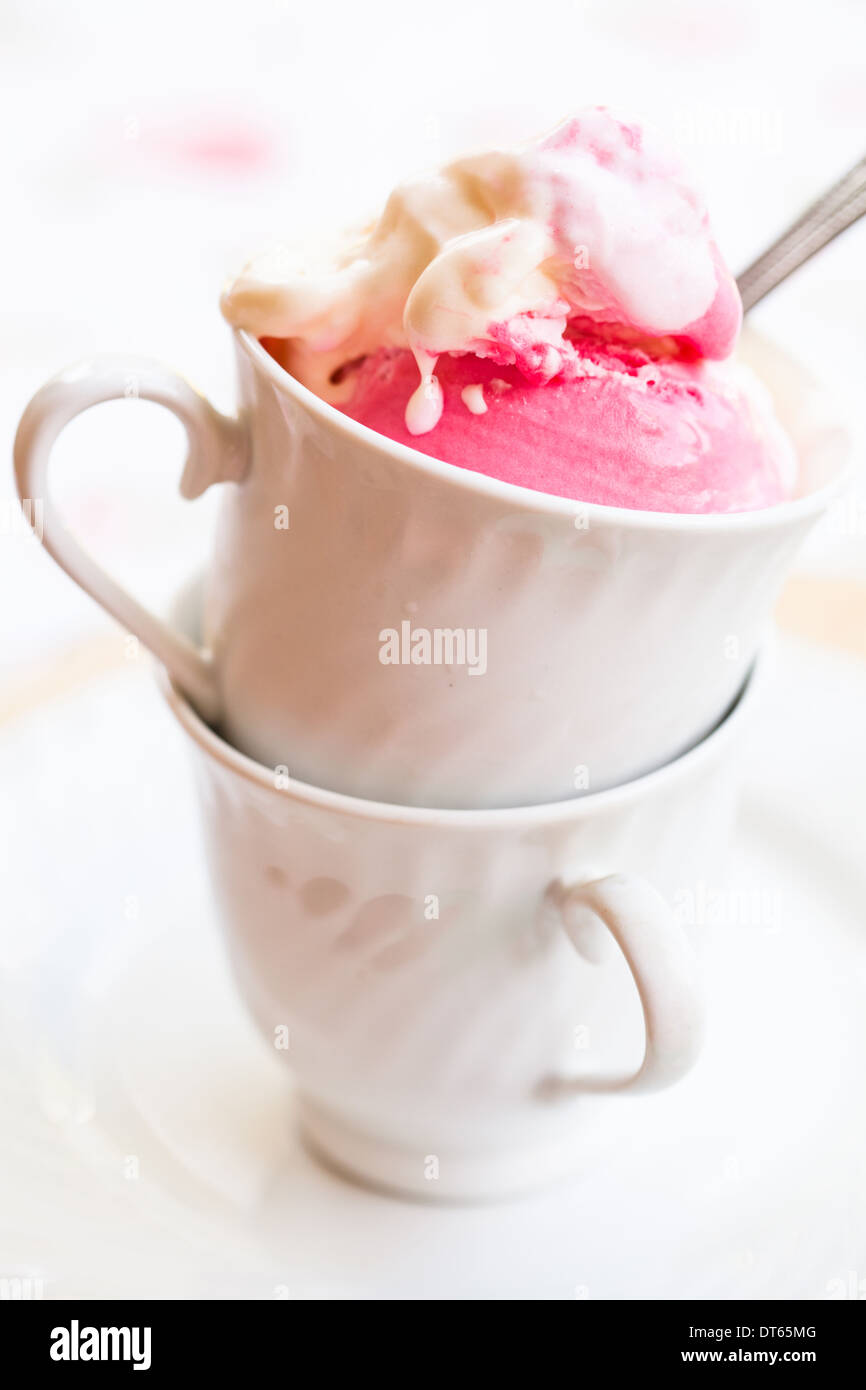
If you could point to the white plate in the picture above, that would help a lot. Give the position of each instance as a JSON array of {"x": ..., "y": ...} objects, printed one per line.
[{"x": 148, "y": 1149}]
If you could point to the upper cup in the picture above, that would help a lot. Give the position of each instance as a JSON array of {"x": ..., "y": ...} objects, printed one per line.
[{"x": 400, "y": 629}]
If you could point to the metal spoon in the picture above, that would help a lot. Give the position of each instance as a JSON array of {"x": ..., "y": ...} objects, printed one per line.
[{"x": 825, "y": 219}]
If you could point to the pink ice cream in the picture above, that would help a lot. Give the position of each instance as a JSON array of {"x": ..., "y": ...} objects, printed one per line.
[
  {"x": 661, "y": 435},
  {"x": 557, "y": 317}
]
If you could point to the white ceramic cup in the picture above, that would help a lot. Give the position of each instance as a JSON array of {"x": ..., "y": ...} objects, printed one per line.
[
  {"x": 444, "y": 984},
  {"x": 612, "y": 640}
]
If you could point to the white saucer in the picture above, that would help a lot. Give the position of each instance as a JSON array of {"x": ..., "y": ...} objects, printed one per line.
[{"x": 148, "y": 1149}]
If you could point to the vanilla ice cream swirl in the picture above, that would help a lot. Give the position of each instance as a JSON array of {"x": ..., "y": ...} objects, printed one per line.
[{"x": 497, "y": 254}]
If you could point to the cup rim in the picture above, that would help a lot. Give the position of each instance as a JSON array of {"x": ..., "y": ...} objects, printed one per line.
[
  {"x": 573, "y": 809},
  {"x": 524, "y": 499}
]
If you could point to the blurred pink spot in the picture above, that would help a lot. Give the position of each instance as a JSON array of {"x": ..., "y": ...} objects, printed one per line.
[
  {"x": 219, "y": 146},
  {"x": 688, "y": 30},
  {"x": 843, "y": 94}
]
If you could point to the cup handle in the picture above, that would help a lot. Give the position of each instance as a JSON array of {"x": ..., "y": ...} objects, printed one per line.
[
  {"x": 218, "y": 452},
  {"x": 664, "y": 969}
]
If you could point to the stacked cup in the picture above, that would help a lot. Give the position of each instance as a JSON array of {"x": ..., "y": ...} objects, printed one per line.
[{"x": 454, "y": 740}]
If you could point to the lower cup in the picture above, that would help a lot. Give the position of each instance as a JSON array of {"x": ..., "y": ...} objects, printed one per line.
[{"x": 457, "y": 992}]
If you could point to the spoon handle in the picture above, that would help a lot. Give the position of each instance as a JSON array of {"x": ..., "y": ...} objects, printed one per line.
[{"x": 829, "y": 215}]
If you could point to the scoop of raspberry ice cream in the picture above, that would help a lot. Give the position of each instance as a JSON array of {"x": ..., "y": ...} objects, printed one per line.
[
  {"x": 623, "y": 429},
  {"x": 557, "y": 316}
]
